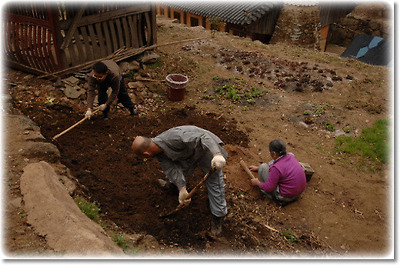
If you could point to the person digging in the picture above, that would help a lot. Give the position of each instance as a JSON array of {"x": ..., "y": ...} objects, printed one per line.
[
  {"x": 107, "y": 74},
  {"x": 180, "y": 150}
]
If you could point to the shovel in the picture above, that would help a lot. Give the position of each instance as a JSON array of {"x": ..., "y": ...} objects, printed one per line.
[
  {"x": 246, "y": 168},
  {"x": 183, "y": 204},
  {"x": 73, "y": 126}
]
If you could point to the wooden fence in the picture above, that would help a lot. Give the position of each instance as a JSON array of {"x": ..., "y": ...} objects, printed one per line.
[{"x": 46, "y": 38}]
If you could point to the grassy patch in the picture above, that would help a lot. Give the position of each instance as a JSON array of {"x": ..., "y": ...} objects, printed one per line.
[
  {"x": 289, "y": 235},
  {"x": 89, "y": 208},
  {"x": 126, "y": 244},
  {"x": 238, "y": 92},
  {"x": 373, "y": 143},
  {"x": 120, "y": 240}
]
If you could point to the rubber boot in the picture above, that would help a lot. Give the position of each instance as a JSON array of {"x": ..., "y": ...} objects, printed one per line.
[
  {"x": 131, "y": 110},
  {"x": 105, "y": 113},
  {"x": 216, "y": 225}
]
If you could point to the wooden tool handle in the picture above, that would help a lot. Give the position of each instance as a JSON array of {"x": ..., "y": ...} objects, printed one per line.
[
  {"x": 183, "y": 204},
  {"x": 73, "y": 126},
  {"x": 247, "y": 169},
  {"x": 198, "y": 185}
]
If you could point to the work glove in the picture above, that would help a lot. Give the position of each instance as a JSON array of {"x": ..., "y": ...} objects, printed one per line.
[
  {"x": 218, "y": 162},
  {"x": 88, "y": 114},
  {"x": 183, "y": 194},
  {"x": 103, "y": 107}
]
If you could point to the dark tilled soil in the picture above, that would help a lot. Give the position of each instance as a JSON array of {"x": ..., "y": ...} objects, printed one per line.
[{"x": 98, "y": 154}]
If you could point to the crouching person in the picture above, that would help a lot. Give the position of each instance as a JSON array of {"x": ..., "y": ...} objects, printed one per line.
[
  {"x": 283, "y": 179},
  {"x": 180, "y": 150}
]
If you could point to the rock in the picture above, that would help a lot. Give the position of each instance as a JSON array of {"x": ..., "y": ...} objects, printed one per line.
[
  {"x": 68, "y": 184},
  {"x": 55, "y": 216},
  {"x": 148, "y": 242},
  {"x": 73, "y": 91},
  {"x": 339, "y": 133},
  {"x": 150, "y": 58},
  {"x": 59, "y": 83},
  {"x": 136, "y": 85},
  {"x": 72, "y": 81},
  {"x": 127, "y": 67},
  {"x": 15, "y": 203},
  {"x": 303, "y": 124},
  {"x": 40, "y": 151}
]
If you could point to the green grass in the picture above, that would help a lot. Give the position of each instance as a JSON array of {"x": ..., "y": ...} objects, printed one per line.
[
  {"x": 89, "y": 208},
  {"x": 236, "y": 93},
  {"x": 290, "y": 236},
  {"x": 120, "y": 240},
  {"x": 372, "y": 144}
]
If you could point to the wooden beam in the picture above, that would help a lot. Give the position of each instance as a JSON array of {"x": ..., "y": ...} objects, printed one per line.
[
  {"x": 87, "y": 20},
  {"x": 117, "y": 56},
  {"x": 73, "y": 27}
]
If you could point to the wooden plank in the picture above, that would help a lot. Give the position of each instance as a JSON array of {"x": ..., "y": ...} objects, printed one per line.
[
  {"x": 127, "y": 53},
  {"x": 133, "y": 29},
  {"x": 39, "y": 49},
  {"x": 324, "y": 37},
  {"x": 24, "y": 45},
  {"x": 137, "y": 9},
  {"x": 153, "y": 27},
  {"x": 148, "y": 27},
  {"x": 95, "y": 48},
  {"x": 32, "y": 47},
  {"x": 113, "y": 35},
  {"x": 73, "y": 27},
  {"x": 119, "y": 33},
  {"x": 87, "y": 44},
  {"x": 81, "y": 53},
  {"x": 50, "y": 54},
  {"x": 9, "y": 51},
  {"x": 100, "y": 38},
  {"x": 26, "y": 68},
  {"x": 27, "y": 20},
  {"x": 108, "y": 38},
  {"x": 126, "y": 31},
  {"x": 139, "y": 30},
  {"x": 44, "y": 49}
]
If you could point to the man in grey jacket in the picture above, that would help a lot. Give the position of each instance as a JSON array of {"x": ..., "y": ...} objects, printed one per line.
[{"x": 180, "y": 150}]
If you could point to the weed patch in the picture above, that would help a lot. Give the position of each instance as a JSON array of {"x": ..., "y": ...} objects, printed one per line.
[
  {"x": 373, "y": 142},
  {"x": 89, "y": 208}
]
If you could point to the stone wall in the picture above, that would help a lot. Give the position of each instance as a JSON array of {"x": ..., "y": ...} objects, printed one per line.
[
  {"x": 298, "y": 26},
  {"x": 369, "y": 19}
]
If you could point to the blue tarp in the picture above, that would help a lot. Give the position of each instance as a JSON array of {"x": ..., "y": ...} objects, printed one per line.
[{"x": 369, "y": 49}]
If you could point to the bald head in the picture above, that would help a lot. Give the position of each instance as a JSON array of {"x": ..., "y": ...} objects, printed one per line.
[{"x": 140, "y": 145}]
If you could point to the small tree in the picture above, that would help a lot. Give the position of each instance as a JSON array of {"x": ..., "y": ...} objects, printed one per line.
[{"x": 215, "y": 24}]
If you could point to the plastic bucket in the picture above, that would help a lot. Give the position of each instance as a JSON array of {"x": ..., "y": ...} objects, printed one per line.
[{"x": 176, "y": 85}]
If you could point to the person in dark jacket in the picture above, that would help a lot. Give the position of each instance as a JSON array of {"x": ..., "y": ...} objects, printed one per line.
[
  {"x": 283, "y": 179},
  {"x": 180, "y": 150},
  {"x": 107, "y": 74}
]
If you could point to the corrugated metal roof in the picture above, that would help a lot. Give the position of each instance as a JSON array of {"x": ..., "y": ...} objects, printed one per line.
[
  {"x": 232, "y": 12},
  {"x": 302, "y": 3}
]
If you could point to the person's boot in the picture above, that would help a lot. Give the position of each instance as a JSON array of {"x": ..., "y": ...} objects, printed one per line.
[
  {"x": 132, "y": 111},
  {"x": 105, "y": 113},
  {"x": 216, "y": 225}
]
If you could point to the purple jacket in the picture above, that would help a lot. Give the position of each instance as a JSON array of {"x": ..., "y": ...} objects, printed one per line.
[{"x": 288, "y": 173}]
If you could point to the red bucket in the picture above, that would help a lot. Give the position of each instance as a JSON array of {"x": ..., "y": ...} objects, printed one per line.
[{"x": 176, "y": 86}]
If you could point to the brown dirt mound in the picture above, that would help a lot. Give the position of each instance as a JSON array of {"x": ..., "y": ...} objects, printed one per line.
[{"x": 99, "y": 156}]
